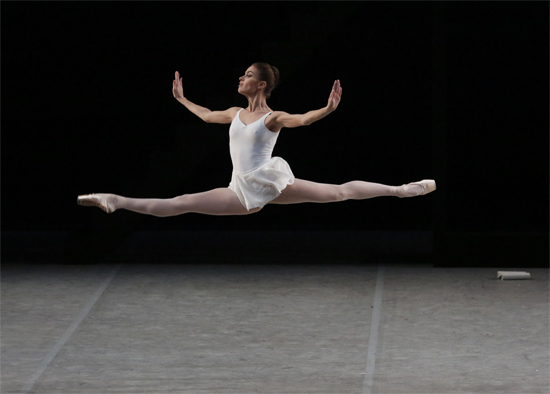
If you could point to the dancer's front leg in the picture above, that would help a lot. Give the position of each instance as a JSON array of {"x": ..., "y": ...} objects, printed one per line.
[{"x": 222, "y": 201}]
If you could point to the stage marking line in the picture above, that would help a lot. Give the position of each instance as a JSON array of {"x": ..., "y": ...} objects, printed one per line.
[
  {"x": 70, "y": 331},
  {"x": 373, "y": 336}
]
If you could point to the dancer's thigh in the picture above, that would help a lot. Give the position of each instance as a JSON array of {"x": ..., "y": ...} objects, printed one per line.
[
  {"x": 221, "y": 201},
  {"x": 306, "y": 191}
]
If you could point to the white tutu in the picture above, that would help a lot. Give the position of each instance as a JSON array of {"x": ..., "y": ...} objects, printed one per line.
[{"x": 263, "y": 184}]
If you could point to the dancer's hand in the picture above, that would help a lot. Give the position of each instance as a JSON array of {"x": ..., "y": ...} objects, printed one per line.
[
  {"x": 177, "y": 88},
  {"x": 335, "y": 96}
]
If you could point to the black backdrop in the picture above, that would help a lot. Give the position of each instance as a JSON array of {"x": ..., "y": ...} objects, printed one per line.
[{"x": 455, "y": 91}]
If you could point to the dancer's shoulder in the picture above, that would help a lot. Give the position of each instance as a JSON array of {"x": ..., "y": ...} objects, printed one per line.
[
  {"x": 277, "y": 114},
  {"x": 280, "y": 119},
  {"x": 222, "y": 117}
]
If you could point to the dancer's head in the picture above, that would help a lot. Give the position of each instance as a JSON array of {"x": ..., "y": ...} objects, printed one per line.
[{"x": 259, "y": 77}]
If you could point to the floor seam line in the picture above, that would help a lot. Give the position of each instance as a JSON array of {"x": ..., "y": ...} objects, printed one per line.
[
  {"x": 70, "y": 331},
  {"x": 373, "y": 335}
]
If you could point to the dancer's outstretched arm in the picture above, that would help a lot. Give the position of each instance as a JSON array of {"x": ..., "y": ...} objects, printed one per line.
[
  {"x": 283, "y": 119},
  {"x": 205, "y": 114}
]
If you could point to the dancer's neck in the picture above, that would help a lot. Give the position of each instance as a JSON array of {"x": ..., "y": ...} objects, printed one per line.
[{"x": 257, "y": 104}]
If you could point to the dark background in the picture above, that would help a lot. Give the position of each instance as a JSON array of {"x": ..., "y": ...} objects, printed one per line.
[{"x": 454, "y": 91}]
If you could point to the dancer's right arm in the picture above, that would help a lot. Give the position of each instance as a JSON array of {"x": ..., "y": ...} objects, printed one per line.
[{"x": 204, "y": 113}]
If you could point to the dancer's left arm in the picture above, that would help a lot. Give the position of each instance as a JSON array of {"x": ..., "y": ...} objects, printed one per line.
[{"x": 283, "y": 119}]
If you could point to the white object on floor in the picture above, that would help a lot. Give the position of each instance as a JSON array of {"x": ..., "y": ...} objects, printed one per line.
[{"x": 505, "y": 275}]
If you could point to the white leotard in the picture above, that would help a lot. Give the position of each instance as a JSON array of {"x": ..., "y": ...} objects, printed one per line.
[
  {"x": 257, "y": 177},
  {"x": 250, "y": 145}
]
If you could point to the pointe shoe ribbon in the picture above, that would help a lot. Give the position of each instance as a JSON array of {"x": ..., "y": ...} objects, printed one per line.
[
  {"x": 95, "y": 200},
  {"x": 427, "y": 185}
]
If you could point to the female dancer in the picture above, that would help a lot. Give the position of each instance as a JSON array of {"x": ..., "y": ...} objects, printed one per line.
[{"x": 258, "y": 179}]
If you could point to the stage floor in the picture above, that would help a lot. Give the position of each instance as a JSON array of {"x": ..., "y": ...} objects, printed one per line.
[{"x": 216, "y": 329}]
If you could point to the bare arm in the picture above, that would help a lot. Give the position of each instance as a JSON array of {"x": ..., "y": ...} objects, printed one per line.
[
  {"x": 204, "y": 113},
  {"x": 287, "y": 120}
]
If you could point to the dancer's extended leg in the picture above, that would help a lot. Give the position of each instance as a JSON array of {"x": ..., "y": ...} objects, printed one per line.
[
  {"x": 306, "y": 191},
  {"x": 222, "y": 201}
]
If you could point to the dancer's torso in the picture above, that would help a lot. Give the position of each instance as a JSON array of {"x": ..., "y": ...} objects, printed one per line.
[{"x": 250, "y": 145}]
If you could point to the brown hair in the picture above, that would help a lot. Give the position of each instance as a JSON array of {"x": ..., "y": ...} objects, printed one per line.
[{"x": 269, "y": 74}]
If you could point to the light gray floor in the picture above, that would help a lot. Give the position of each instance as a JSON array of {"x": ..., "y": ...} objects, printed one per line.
[{"x": 219, "y": 329}]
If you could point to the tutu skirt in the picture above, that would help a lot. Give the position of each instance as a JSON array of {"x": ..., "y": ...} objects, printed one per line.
[{"x": 263, "y": 184}]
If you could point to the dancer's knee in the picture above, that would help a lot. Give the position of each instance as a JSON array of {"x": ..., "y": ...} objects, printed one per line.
[
  {"x": 334, "y": 193},
  {"x": 341, "y": 193},
  {"x": 170, "y": 206}
]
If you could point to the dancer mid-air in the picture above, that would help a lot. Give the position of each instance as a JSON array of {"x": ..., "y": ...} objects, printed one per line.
[{"x": 258, "y": 179}]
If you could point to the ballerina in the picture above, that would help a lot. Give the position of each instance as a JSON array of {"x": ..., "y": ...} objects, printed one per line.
[{"x": 258, "y": 178}]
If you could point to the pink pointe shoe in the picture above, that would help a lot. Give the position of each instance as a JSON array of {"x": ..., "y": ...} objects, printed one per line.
[
  {"x": 427, "y": 185},
  {"x": 95, "y": 200}
]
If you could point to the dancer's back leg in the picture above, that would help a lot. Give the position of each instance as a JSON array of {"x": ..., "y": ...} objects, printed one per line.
[
  {"x": 222, "y": 201},
  {"x": 306, "y": 191}
]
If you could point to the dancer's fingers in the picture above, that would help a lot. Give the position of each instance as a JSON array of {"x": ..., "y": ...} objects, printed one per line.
[
  {"x": 335, "y": 87},
  {"x": 338, "y": 87}
]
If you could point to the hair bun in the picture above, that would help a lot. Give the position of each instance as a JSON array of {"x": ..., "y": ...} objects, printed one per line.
[
  {"x": 269, "y": 74},
  {"x": 276, "y": 75}
]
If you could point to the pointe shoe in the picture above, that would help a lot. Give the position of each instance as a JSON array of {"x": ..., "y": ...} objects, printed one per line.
[
  {"x": 95, "y": 200},
  {"x": 428, "y": 186}
]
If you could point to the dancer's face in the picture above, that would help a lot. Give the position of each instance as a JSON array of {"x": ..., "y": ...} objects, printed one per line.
[{"x": 249, "y": 84}]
